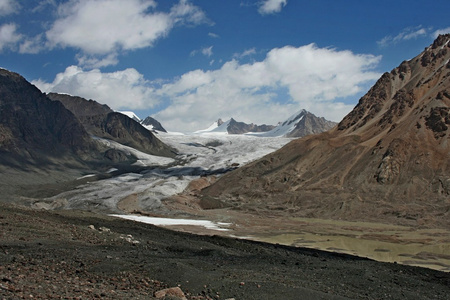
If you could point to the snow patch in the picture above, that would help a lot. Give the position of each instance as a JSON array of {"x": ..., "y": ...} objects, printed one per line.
[
  {"x": 130, "y": 115},
  {"x": 176, "y": 222},
  {"x": 86, "y": 176}
]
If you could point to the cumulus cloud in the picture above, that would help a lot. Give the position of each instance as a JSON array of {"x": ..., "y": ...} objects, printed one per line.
[
  {"x": 9, "y": 36},
  {"x": 8, "y": 7},
  {"x": 266, "y": 91},
  {"x": 271, "y": 6},
  {"x": 102, "y": 27},
  {"x": 406, "y": 34},
  {"x": 125, "y": 89}
]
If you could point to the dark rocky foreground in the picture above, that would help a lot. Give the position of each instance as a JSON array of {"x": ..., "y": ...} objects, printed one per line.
[{"x": 81, "y": 255}]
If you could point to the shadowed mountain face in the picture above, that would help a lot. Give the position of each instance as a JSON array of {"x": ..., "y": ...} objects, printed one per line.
[
  {"x": 151, "y": 122},
  {"x": 388, "y": 159},
  {"x": 34, "y": 129},
  {"x": 99, "y": 120}
]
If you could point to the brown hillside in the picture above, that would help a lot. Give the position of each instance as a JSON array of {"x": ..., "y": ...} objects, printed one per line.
[{"x": 387, "y": 160}]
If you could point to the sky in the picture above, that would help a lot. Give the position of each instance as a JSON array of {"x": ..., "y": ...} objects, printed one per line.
[{"x": 188, "y": 63}]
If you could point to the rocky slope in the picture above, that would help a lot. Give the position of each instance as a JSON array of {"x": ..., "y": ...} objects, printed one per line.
[
  {"x": 81, "y": 255},
  {"x": 35, "y": 130},
  {"x": 388, "y": 159},
  {"x": 99, "y": 120}
]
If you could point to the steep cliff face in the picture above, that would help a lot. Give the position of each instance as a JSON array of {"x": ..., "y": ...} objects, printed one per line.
[
  {"x": 387, "y": 159},
  {"x": 99, "y": 120}
]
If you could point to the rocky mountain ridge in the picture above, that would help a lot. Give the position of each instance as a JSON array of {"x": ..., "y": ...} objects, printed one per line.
[
  {"x": 298, "y": 125},
  {"x": 101, "y": 121},
  {"x": 387, "y": 159},
  {"x": 33, "y": 128}
]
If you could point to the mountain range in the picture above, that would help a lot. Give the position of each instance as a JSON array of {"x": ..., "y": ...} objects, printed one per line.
[
  {"x": 298, "y": 125},
  {"x": 389, "y": 158}
]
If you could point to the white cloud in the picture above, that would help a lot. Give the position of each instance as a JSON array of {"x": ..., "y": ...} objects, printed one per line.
[
  {"x": 125, "y": 89},
  {"x": 9, "y": 37},
  {"x": 8, "y": 7},
  {"x": 32, "y": 45},
  {"x": 91, "y": 62},
  {"x": 271, "y": 6},
  {"x": 313, "y": 78},
  {"x": 247, "y": 52},
  {"x": 267, "y": 91},
  {"x": 441, "y": 31},
  {"x": 102, "y": 27},
  {"x": 213, "y": 35},
  {"x": 207, "y": 51},
  {"x": 187, "y": 14},
  {"x": 406, "y": 34},
  {"x": 43, "y": 4}
]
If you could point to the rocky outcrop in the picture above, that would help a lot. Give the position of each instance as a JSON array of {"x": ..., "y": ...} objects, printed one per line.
[{"x": 388, "y": 159}]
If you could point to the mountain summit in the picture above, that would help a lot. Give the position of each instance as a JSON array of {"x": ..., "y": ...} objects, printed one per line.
[
  {"x": 300, "y": 124},
  {"x": 388, "y": 159}
]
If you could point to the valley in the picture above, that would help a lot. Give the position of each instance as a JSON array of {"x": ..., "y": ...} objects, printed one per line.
[{"x": 155, "y": 191}]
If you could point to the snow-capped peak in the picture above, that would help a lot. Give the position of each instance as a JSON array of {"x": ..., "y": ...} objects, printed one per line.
[
  {"x": 217, "y": 127},
  {"x": 284, "y": 128}
]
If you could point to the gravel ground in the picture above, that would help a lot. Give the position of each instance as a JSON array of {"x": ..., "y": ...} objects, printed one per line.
[{"x": 82, "y": 255}]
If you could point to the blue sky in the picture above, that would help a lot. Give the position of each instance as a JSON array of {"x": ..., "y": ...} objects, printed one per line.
[{"x": 189, "y": 62}]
